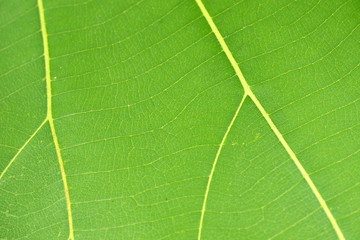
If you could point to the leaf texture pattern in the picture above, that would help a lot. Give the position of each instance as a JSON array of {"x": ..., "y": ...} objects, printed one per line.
[{"x": 179, "y": 119}]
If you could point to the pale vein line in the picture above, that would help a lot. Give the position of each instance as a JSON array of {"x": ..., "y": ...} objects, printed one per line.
[
  {"x": 281, "y": 138},
  {"x": 22, "y": 148},
  {"x": 214, "y": 164},
  {"x": 49, "y": 114}
]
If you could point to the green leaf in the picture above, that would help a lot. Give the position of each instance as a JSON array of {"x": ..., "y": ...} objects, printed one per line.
[{"x": 193, "y": 119}]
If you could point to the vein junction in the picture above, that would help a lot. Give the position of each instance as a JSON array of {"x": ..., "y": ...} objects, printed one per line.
[
  {"x": 49, "y": 116},
  {"x": 249, "y": 92}
]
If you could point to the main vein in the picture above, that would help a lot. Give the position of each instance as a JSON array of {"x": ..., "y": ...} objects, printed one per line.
[
  {"x": 49, "y": 116},
  {"x": 278, "y": 134}
]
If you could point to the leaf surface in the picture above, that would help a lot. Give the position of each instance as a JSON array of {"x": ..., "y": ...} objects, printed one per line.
[{"x": 179, "y": 119}]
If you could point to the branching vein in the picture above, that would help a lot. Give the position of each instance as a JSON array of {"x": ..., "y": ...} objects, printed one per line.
[
  {"x": 49, "y": 116},
  {"x": 278, "y": 134},
  {"x": 22, "y": 148},
  {"x": 215, "y": 162}
]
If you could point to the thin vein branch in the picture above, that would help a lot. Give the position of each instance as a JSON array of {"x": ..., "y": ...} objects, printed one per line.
[
  {"x": 214, "y": 165},
  {"x": 22, "y": 148}
]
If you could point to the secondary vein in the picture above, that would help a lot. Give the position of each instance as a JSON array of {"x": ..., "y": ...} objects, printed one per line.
[
  {"x": 22, "y": 148},
  {"x": 278, "y": 134},
  {"x": 215, "y": 162},
  {"x": 49, "y": 116}
]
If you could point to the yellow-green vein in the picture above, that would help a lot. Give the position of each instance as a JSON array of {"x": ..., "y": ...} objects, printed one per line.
[
  {"x": 278, "y": 134},
  {"x": 22, "y": 148},
  {"x": 49, "y": 116},
  {"x": 215, "y": 162}
]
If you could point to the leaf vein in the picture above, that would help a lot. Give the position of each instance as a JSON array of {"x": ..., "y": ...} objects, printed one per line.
[
  {"x": 22, "y": 148},
  {"x": 278, "y": 134},
  {"x": 49, "y": 116}
]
